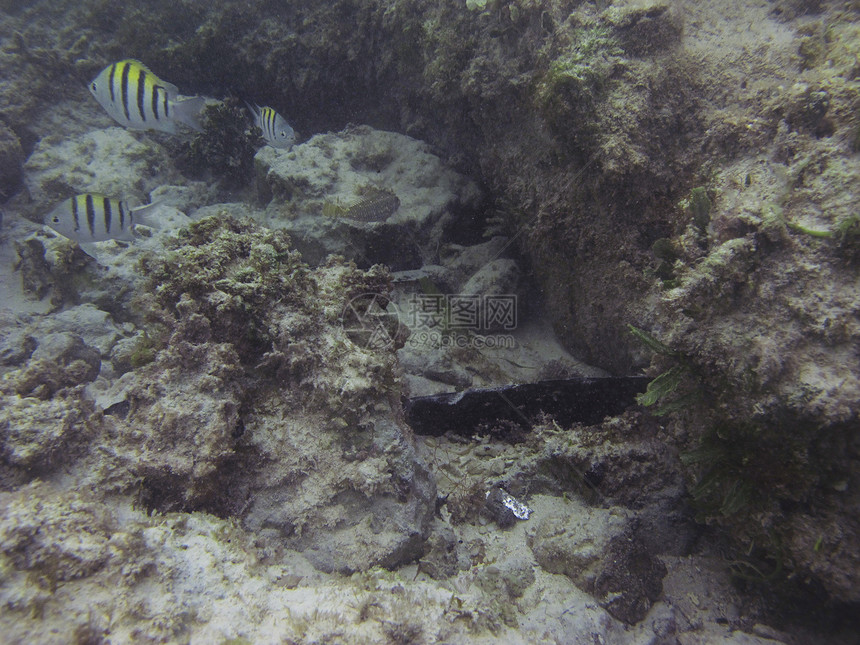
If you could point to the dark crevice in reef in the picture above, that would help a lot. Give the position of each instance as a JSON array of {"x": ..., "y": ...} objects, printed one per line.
[{"x": 514, "y": 409}]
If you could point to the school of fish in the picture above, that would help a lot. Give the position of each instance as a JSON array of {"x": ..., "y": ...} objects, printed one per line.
[{"x": 139, "y": 100}]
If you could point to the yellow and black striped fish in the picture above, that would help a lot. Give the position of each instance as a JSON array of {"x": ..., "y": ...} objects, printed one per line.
[
  {"x": 95, "y": 218},
  {"x": 276, "y": 131},
  {"x": 138, "y": 99}
]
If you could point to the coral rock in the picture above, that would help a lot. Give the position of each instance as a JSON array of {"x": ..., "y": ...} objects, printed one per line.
[
  {"x": 11, "y": 160},
  {"x": 60, "y": 360}
]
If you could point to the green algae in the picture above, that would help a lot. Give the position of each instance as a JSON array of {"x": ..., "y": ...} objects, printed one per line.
[
  {"x": 665, "y": 384},
  {"x": 145, "y": 350},
  {"x": 567, "y": 91},
  {"x": 809, "y": 231},
  {"x": 846, "y": 231},
  {"x": 742, "y": 468},
  {"x": 234, "y": 272},
  {"x": 662, "y": 386},
  {"x": 699, "y": 208},
  {"x": 232, "y": 256},
  {"x": 650, "y": 341}
]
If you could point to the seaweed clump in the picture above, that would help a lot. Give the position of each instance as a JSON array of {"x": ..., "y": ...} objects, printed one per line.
[
  {"x": 576, "y": 78},
  {"x": 225, "y": 148},
  {"x": 226, "y": 277}
]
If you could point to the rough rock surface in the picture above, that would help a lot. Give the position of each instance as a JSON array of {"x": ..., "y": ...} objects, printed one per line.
[
  {"x": 57, "y": 539},
  {"x": 11, "y": 160},
  {"x": 620, "y": 573},
  {"x": 37, "y": 434},
  {"x": 180, "y": 430},
  {"x": 315, "y": 184},
  {"x": 230, "y": 400},
  {"x": 686, "y": 167},
  {"x": 112, "y": 162},
  {"x": 59, "y": 360},
  {"x": 239, "y": 412}
]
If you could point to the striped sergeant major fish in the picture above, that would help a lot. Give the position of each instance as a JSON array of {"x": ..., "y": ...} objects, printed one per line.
[
  {"x": 276, "y": 131},
  {"x": 139, "y": 100},
  {"x": 95, "y": 218}
]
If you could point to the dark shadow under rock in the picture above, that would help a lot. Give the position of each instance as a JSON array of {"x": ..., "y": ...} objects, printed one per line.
[
  {"x": 630, "y": 580},
  {"x": 579, "y": 400}
]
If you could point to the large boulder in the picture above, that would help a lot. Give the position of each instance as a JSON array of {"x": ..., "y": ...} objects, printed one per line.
[{"x": 369, "y": 195}]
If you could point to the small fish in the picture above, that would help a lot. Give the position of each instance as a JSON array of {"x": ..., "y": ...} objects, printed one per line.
[
  {"x": 276, "y": 131},
  {"x": 139, "y": 100},
  {"x": 377, "y": 206},
  {"x": 95, "y": 218}
]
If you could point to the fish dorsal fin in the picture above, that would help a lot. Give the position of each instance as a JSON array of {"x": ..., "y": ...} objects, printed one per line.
[
  {"x": 172, "y": 90},
  {"x": 254, "y": 108},
  {"x": 136, "y": 62}
]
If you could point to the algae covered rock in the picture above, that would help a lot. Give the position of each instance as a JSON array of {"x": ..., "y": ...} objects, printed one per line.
[
  {"x": 55, "y": 538},
  {"x": 17, "y": 342},
  {"x": 575, "y": 545},
  {"x": 38, "y": 434},
  {"x": 110, "y": 161},
  {"x": 179, "y": 434},
  {"x": 259, "y": 403},
  {"x": 594, "y": 548},
  {"x": 762, "y": 319},
  {"x": 226, "y": 278},
  {"x": 645, "y": 27},
  {"x": 342, "y": 464},
  {"x": 60, "y": 360},
  {"x": 45, "y": 417},
  {"x": 11, "y": 161}
]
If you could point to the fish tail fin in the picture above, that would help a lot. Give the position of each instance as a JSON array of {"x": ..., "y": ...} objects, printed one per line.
[
  {"x": 187, "y": 111},
  {"x": 142, "y": 214}
]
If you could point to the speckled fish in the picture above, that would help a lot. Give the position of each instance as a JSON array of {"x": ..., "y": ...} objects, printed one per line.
[
  {"x": 276, "y": 131},
  {"x": 376, "y": 206},
  {"x": 139, "y": 100},
  {"x": 95, "y": 218}
]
